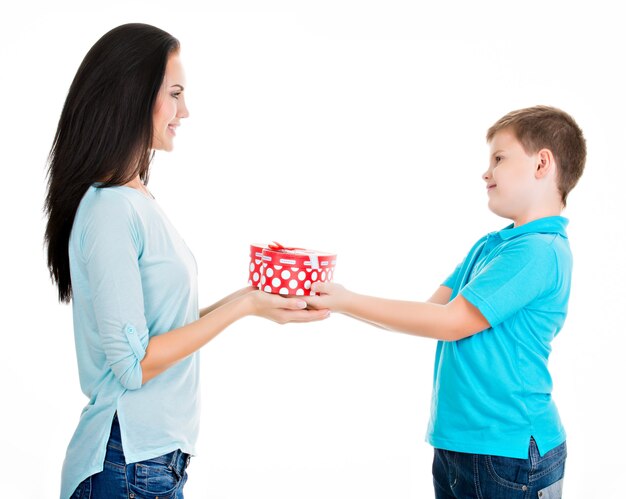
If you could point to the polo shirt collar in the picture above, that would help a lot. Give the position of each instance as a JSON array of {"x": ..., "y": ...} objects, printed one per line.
[{"x": 547, "y": 225}]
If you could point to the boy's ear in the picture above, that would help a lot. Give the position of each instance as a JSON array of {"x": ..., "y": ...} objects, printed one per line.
[{"x": 545, "y": 163}]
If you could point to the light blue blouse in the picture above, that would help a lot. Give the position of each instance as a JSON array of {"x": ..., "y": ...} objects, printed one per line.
[{"x": 133, "y": 278}]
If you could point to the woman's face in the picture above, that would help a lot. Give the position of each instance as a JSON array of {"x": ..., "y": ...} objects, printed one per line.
[{"x": 170, "y": 105}]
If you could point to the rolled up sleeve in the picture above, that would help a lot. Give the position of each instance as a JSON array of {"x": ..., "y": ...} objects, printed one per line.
[{"x": 111, "y": 248}]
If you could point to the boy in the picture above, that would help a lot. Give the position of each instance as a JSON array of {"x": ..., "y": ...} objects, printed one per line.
[{"x": 494, "y": 426}]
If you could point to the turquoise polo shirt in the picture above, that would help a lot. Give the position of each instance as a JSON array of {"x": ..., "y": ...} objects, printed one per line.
[
  {"x": 492, "y": 391},
  {"x": 133, "y": 278}
]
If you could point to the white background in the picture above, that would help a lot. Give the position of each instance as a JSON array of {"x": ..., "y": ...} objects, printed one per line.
[{"x": 353, "y": 127}]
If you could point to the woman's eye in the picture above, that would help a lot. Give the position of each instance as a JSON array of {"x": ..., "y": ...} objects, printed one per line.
[{"x": 176, "y": 94}]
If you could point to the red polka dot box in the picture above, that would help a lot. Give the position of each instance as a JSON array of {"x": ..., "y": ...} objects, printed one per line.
[{"x": 289, "y": 271}]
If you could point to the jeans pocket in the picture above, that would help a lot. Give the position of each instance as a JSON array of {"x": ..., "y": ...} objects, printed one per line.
[
  {"x": 508, "y": 471},
  {"x": 554, "y": 491},
  {"x": 154, "y": 478}
]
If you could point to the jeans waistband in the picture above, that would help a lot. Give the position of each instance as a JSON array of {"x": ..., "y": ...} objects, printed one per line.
[{"x": 177, "y": 459}]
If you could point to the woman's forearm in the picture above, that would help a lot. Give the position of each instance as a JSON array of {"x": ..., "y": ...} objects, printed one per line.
[
  {"x": 167, "y": 349},
  {"x": 224, "y": 300}
]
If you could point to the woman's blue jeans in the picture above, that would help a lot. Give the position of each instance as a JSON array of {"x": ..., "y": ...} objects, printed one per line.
[
  {"x": 160, "y": 478},
  {"x": 475, "y": 476}
]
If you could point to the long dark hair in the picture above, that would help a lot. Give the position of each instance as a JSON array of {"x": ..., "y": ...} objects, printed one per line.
[{"x": 105, "y": 130}]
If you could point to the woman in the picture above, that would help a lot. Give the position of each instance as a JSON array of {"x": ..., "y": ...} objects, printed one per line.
[{"x": 130, "y": 277}]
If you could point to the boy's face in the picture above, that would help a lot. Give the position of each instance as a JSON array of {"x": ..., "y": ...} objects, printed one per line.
[{"x": 510, "y": 178}]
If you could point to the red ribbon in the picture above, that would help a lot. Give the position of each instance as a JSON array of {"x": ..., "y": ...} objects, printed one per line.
[{"x": 279, "y": 247}]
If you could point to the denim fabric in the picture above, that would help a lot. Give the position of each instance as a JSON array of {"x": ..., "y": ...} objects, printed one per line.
[
  {"x": 160, "y": 478},
  {"x": 476, "y": 476}
]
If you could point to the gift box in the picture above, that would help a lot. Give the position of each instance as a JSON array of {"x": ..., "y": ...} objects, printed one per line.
[
  {"x": 289, "y": 271},
  {"x": 256, "y": 265}
]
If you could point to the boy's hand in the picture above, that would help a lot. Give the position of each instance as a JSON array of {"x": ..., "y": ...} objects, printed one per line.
[
  {"x": 332, "y": 296},
  {"x": 281, "y": 309}
]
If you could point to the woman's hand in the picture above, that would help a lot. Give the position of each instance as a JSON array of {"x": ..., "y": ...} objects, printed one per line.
[
  {"x": 333, "y": 297},
  {"x": 282, "y": 309}
]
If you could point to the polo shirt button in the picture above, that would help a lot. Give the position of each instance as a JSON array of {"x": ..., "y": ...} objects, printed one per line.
[{"x": 130, "y": 330}]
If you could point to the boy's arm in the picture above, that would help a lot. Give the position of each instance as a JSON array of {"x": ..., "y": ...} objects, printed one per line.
[
  {"x": 441, "y": 296},
  {"x": 451, "y": 321}
]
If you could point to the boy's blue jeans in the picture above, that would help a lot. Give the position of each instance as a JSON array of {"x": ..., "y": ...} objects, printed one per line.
[
  {"x": 162, "y": 477},
  {"x": 475, "y": 476}
]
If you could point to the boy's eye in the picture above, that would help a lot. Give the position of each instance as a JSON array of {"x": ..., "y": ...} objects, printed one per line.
[{"x": 498, "y": 159}]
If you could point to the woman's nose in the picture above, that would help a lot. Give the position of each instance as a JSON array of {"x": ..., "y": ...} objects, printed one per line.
[{"x": 183, "y": 112}]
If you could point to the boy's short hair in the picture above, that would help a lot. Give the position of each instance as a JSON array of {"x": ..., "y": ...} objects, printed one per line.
[{"x": 547, "y": 127}]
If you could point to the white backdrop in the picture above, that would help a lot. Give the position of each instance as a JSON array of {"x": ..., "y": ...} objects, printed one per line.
[{"x": 354, "y": 127}]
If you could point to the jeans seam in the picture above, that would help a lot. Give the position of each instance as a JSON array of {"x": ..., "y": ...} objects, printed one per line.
[
  {"x": 126, "y": 479},
  {"x": 115, "y": 465},
  {"x": 476, "y": 464},
  {"x": 561, "y": 456},
  {"x": 543, "y": 473},
  {"x": 174, "y": 464},
  {"x": 456, "y": 470}
]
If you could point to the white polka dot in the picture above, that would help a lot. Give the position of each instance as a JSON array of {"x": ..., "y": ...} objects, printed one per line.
[
  {"x": 255, "y": 277},
  {"x": 285, "y": 274},
  {"x": 263, "y": 279},
  {"x": 314, "y": 276},
  {"x": 300, "y": 292},
  {"x": 307, "y": 284},
  {"x": 267, "y": 289},
  {"x": 258, "y": 262},
  {"x": 295, "y": 269},
  {"x": 293, "y": 284},
  {"x": 301, "y": 275},
  {"x": 249, "y": 283},
  {"x": 276, "y": 282},
  {"x": 278, "y": 267},
  {"x": 251, "y": 266},
  {"x": 323, "y": 275},
  {"x": 330, "y": 275},
  {"x": 283, "y": 291},
  {"x": 269, "y": 272}
]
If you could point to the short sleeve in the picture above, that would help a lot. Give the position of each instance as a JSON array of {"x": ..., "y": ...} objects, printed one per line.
[
  {"x": 450, "y": 281},
  {"x": 111, "y": 245},
  {"x": 521, "y": 272}
]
